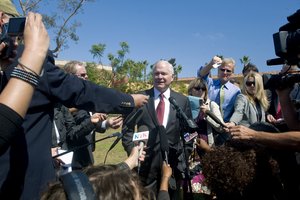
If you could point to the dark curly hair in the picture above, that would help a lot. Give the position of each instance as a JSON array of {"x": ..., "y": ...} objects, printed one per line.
[{"x": 241, "y": 171}]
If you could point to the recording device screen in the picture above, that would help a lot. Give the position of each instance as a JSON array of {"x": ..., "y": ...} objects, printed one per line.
[{"x": 16, "y": 26}]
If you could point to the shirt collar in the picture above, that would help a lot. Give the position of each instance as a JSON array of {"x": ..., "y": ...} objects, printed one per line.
[{"x": 167, "y": 93}]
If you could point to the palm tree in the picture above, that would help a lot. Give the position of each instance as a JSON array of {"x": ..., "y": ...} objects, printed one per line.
[{"x": 245, "y": 60}]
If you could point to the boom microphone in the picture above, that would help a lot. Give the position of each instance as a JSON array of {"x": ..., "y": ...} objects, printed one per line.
[
  {"x": 132, "y": 119},
  {"x": 141, "y": 138},
  {"x": 215, "y": 118},
  {"x": 189, "y": 122},
  {"x": 129, "y": 121}
]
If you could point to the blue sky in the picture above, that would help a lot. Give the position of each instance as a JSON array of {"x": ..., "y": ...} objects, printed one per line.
[{"x": 192, "y": 31}]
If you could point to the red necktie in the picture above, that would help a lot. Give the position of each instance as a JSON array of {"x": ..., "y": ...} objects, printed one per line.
[
  {"x": 278, "y": 113},
  {"x": 160, "y": 109}
]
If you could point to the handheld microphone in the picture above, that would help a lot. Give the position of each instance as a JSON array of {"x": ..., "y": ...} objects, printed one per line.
[
  {"x": 215, "y": 118},
  {"x": 189, "y": 122},
  {"x": 164, "y": 145},
  {"x": 141, "y": 138}
]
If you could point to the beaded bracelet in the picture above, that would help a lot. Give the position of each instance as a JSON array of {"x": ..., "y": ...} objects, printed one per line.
[
  {"x": 23, "y": 75},
  {"x": 27, "y": 68}
]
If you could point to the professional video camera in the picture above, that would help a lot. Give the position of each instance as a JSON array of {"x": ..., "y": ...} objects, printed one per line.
[
  {"x": 287, "y": 48},
  {"x": 15, "y": 27}
]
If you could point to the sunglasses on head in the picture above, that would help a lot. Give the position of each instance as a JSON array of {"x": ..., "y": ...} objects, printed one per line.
[
  {"x": 225, "y": 70},
  {"x": 249, "y": 83}
]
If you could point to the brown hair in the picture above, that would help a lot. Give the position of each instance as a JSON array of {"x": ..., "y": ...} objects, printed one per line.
[{"x": 198, "y": 82}]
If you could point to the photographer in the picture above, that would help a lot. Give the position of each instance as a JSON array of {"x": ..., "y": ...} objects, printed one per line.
[
  {"x": 26, "y": 166},
  {"x": 287, "y": 98},
  {"x": 16, "y": 96}
]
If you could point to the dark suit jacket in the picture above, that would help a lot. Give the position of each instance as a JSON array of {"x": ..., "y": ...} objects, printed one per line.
[
  {"x": 151, "y": 167},
  {"x": 26, "y": 167},
  {"x": 83, "y": 157}
]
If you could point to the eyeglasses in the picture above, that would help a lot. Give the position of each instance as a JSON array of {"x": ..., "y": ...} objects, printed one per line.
[
  {"x": 225, "y": 70},
  {"x": 198, "y": 88},
  {"x": 250, "y": 83},
  {"x": 81, "y": 75}
]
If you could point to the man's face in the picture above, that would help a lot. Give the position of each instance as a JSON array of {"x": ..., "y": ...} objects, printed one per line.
[
  {"x": 81, "y": 72},
  {"x": 224, "y": 72},
  {"x": 162, "y": 76}
]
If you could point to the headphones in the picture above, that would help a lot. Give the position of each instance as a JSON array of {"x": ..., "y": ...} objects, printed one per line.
[{"x": 77, "y": 186}]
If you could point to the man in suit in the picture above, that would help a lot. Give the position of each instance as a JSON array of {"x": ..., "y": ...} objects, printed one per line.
[
  {"x": 26, "y": 167},
  {"x": 83, "y": 157},
  {"x": 150, "y": 170}
]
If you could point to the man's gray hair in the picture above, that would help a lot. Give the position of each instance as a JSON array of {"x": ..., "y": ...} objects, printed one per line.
[{"x": 70, "y": 66}]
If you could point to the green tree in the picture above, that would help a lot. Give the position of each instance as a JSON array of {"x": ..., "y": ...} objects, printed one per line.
[
  {"x": 97, "y": 51},
  {"x": 61, "y": 21},
  {"x": 98, "y": 76},
  {"x": 245, "y": 60}
]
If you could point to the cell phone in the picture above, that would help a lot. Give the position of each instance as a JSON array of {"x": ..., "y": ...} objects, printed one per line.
[
  {"x": 16, "y": 26},
  {"x": 201, "y": 101}
]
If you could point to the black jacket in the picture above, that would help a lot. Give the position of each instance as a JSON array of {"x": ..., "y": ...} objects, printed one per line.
[{"x": 26, "y": 167}]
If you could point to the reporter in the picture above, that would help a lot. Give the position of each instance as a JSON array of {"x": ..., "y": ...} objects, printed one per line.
[
  {"x": 16, "y": 96},
  {"x": 110, "y": 181}
]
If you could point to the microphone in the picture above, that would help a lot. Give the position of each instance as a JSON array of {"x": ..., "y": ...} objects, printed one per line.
[
  {"x": 189, "y": 122},
  {"x": 215, "y": 118},
  {"x": 141, "y": 138},
  {"x": 117, "y": 134},
  {"x": 132, "y": 119},
  {"x": 164, "y": 145}
]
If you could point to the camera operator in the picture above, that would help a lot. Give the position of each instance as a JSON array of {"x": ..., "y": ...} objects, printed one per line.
[
  {"x": 16, "y": 96},
  {"x": 275, "y": 115},
  {"x": 288, "y": 97}
]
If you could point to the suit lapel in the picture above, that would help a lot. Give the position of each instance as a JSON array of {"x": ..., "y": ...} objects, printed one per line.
[{"x": 151, "y": 107}]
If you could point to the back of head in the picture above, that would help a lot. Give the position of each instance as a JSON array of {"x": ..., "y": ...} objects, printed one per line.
[
  {"x": 240, "y": 170},
  {"x": 108, "y": 182},
  {"x": 112, "y": 182},
  {"x": 9, "y": 8}
]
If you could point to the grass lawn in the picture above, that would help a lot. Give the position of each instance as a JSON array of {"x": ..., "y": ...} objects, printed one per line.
[{"x": 116, "y": 155}]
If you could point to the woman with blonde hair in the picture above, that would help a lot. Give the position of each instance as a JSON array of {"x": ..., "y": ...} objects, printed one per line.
[{"x": 251, "y": 105}]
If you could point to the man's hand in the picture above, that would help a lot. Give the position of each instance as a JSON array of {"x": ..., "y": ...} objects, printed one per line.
[
  {"x": 242, "y": 132},
  {"x": 114, "y": 122},
  {"x": 139, "y": 100},
  {"x": 135, "y": 156},
  {"x": 97, "y": 117}
]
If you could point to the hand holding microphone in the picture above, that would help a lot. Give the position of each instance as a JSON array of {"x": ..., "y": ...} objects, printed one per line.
[
  {"x": 141, "y": 138},
  {"x": 134, "y": 158}
]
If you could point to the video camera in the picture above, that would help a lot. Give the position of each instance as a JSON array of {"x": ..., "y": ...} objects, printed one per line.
[
  {"x": 15, "y": 27},
  {"x": 287, "y": 48}
]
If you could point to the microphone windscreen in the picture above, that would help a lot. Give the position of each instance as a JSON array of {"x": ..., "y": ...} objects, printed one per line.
[
  {"x": 164, "y": 145},
  {"x": 143, "y": 128}
]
